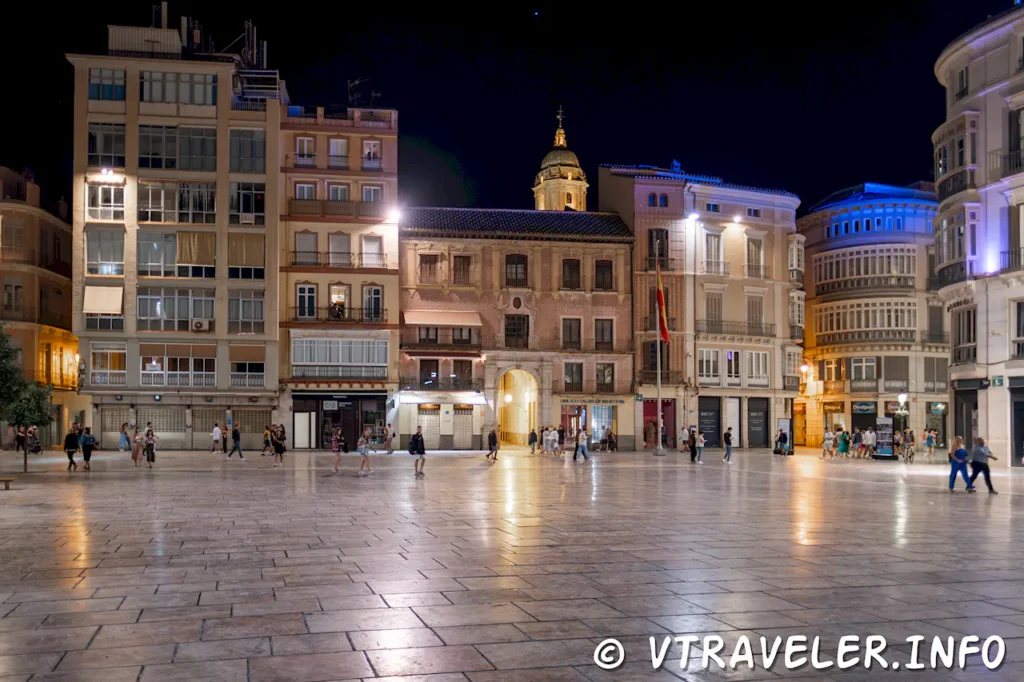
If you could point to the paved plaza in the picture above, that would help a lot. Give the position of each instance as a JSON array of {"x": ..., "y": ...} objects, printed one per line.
[{"x": 511, "y": 571}]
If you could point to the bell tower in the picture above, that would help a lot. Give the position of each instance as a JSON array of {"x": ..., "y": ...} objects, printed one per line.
[{"x": 561, "y": 184}]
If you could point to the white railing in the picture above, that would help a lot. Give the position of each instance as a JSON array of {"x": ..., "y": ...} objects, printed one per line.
[
  {"x": 204, "y": 379},
  {"x": 108, "y": 378},
  {"x": 244, "y": 380},
  {"x": 757, "y": 382},
  {"x": 151, "y": 379}
]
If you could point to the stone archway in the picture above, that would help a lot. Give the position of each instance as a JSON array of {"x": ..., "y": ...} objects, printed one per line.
[{"x": 517, "y": 401}]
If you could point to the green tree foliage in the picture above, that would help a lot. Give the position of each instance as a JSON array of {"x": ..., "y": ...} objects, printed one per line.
[
  {"x": 21, "y": 402},
  {"x": 12, "y": 380}
]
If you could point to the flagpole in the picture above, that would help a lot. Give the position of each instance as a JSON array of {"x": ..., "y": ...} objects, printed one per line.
[{"x": 659, "y": 451}]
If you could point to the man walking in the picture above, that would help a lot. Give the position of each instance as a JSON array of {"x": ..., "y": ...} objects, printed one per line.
[
  {"x": 581, "y": 444},
  {"x": 418, "y": 449},
  {"x": 532, "y": 441},
  {"x": 979, "y": 463},
  {"x": 236, "y": 442},
  {"x": 217, "y": 433},
  {"x": 492, "y": 446},
  {"x": 728, "y": 446}
]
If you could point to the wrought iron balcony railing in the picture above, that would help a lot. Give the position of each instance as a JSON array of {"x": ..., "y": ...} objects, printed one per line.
[
  {"x": 338, "y": 314},
  {"x": 735, "y": 328}
]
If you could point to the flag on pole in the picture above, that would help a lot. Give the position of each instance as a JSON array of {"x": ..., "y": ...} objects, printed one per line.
[{"x": 662, "y": 319}]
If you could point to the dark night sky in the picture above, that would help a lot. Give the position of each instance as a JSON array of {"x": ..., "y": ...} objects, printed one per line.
[{"x": 804, "y": 97}]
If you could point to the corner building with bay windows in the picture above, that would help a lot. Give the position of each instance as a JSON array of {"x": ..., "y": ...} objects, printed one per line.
[{"x": 175, "y": 228}]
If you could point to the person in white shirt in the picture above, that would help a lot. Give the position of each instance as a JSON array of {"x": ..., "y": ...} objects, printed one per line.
[
  {"x": 217, "y": 433},
  {"x": 827, "y": 443},
  {"x": 870, "y": 440},
  {"x": 684, "y": 439}
]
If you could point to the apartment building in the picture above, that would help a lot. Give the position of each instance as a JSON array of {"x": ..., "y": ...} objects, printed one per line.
[
  {"x": 732, "y": 267},
  {"x": 875, "y": 324},
  {"x": 339, "y": 283},
  {"x": 979, "y": 230},
  {"x": 174, "y": 208},
  {"x": 35, "y": 311}
]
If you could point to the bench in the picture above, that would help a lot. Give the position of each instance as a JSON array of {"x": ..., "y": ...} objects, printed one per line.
[{"x": 6, "y": 482}]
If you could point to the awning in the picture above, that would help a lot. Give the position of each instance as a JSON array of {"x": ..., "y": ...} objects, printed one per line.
[
  {"x": 436, "y": 318},
  {"x": 452, "y": 397},
  {"x": 103, "y": 300}
]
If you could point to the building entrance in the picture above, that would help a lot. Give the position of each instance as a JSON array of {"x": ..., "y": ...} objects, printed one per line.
[{"x": 517, "y": 406}]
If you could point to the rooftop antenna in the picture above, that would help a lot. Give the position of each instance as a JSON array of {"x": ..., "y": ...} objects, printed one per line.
[
  {"x": 353, "y": 94},
  {"x": 373, "y": 95}
]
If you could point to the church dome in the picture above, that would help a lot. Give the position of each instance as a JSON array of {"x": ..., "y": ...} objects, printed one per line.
[{"x": 560, "y": 156}]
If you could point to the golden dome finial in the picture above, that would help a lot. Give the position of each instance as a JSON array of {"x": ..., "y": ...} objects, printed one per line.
[{"x": 560, "y": 133}]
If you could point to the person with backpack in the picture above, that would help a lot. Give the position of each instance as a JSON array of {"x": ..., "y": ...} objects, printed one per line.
[
  {"x": 418, "y": 449},
  {"x": 71, "y": 447},
  {"x": 88, "y": 443}
]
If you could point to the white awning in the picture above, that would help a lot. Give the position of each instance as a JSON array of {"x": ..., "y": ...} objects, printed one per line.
[
  {"x": 436, "y": 318},
  {"x": 103, "y": 300},
  {"x": 450, "y": 398}
]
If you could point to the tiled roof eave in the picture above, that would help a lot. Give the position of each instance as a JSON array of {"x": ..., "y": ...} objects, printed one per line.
[{"x": 525, "y": 236}]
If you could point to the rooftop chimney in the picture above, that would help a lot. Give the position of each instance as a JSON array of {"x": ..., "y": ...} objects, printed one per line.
[{"x": 163, "y": 14}]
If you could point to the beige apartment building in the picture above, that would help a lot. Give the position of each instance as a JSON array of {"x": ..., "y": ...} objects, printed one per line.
[
  {"x": 35, "y": 311},
  {"x": 875, "y": 325},
  {"x": 175, "y": 215},
  {"x": 339, "y": 282},
  {"x": 732, "y": 269}
]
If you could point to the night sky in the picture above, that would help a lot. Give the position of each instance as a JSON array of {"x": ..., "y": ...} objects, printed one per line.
[{"x": 767, "y": 94}]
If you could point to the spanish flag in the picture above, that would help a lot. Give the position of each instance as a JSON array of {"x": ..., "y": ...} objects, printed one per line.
[{"x": 662, "y": 319}]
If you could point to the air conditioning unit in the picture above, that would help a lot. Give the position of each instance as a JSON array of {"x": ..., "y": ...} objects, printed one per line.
[
  {"x": 200, "y": 325},
  {"x": 247, "y": 218}
]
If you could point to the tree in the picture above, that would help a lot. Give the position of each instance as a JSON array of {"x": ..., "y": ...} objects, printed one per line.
[
  {"x": 31, "y": 408},
  {"x": 12, "y": 379}
]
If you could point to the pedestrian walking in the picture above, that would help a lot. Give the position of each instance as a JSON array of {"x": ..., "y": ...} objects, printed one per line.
[
  {"x": 980, "y": 456},
  {"x": 363, "y": 446},
  {"x": 88, "y": 443},
  {"x": 267, "y": 449},
  {"x": 418, "y": 449},
  {"x": 581, "y": 444},
  {"x": 827, "y": 443},
  {"x": 700, "y": 447},
  {"x": 691, "y": 443},
  {"x": 70, "y": 447},
  {"x": 125, "y": 443},
  {"x": 929, "y": 444},
  {"x": 277, "y": 443},
  {"x": 844, "y": 442},
  {"x": 782, "y": 443},
  {"x": 492, "y": 446},
  {"x": 728, "y": 446},
  {"x": 531, "y": 441},
  {"x": 336, "y": 448},
  {"x": 871, "y": 440},
  {"x": 958, "y": 464},
  {"x": 216, "y": 434},
  {"x": 561, "y": 438},
  {"x": 19, "y": 439},
  {"x": 684, "y": 438},
  {"x": 136, "y": 440},
  {"x": 149, "y": 443},
  {"x": 236, "y": 442},
  {"x": 389, "y": 436}
]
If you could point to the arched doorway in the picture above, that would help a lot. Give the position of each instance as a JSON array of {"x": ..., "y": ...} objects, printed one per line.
[{"x": 517, "y": 398}]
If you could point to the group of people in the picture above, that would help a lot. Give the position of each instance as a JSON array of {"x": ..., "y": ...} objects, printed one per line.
[
  {"x": 865, "y": 443},
  {"x": 79, "y": 438},
  {"x": 978, "y": 458},
  {"x": 694, "y": 441},
  {"x": 26, "y": 439},
  {"x": 364, "y": 445},
  {"x": 552, "y": 441}
]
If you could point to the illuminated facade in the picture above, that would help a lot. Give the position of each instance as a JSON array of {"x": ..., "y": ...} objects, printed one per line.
[
  {"x": 874, "y": 323},
  {"x": 732, "y": 266},
  {"x": 175, "y": 227},
  {"x": 35, "y": 312},
  {"x": 979, "y": 229}
]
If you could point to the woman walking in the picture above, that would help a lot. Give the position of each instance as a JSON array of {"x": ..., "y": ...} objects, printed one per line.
[
  {"x": 71, "y": 447},
  {"x": 149, "y": 443},
  {"x": 363, "y": 446},
  {"x": 958, "y": 464},
  {"x": 277, "y": 441},
  {"x": 136, "y": 440},
  {"x": 826, "y": 445},
  {"x": 125, "y": 444},
  {"x": 844, "y": 443},
  {"x": 336, "y": 448},
  {"x": 929, "y": 444}
]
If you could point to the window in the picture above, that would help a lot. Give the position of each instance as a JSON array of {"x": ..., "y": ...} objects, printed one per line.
[
  {"x": 755, "y": 252},
  {"x": 430, "y": 268},
  {"x": 793, "y": 362},
  {"x": 758, "y": 368},
  {"x": 245, "y": 312},
  {"x": 652, "y": 348},
  {"x": 732, "y": 367},
  {"x": 306, "y": 301},
  {"x": 248, "y": 151},
  {"x": 573, "y": 376},
  {"x": 183, "y": 88},
  {"x": 337, "y": 153},
  {"x": 755, "y": 310},
  {"x": 964, "y": 332},
  {"x": 571, "y": 333},
  {"x": 305, "y": 191},
  {"x": 373, "y": 304},
  {"x": 605, "y": 377},
  {"x": 371, "y": 149},
  {"x": 652, "y": 200},
  {"x": 365, "y": 357},
  {"x": 571, "y": 274},
  {"x": 663, "y": 201},
  {"x": 304, "y": 154},
  {"x": 339, "y": 302},
  {"x": 568, "y": 198},
  {"x": 856, "y": 226},
  {"x": 246, "y": 255},
  {"x": 108, "y": 363},
  {"x": 515, "y": 270},
  {"x": 461, "y": 274},
  {"x": 14, "y": 296},
  {"x": 603, "y": 276},
  {"x": 962, "y": 83},
  {"x": 657, "y": 247},
  {"x": 158, "y": 202},
  {"x": 105, "y": 251},
  {"x": 246, "y": 203},
  {"x": 1017, "y": 349},
  {"x": 863, "y": 369},
  {"x": 753, "y": 213},
  {"x": 156, "y": 254},
  {"x": 427, "y": 335},
  {"x": 603, "y": 340},
  {"x": 936, "y": 375},
  {"x": 105, "y": 202},
  {"x": 197, "y": 149},
  {"x": 899, "y": 224},
  {"x": 713, "y": 208},
  {"x": 373, "y": 194},
  {"x": 104, "y": 322},
  {"x": 652, "y": 310},
  {"x": 707, "y": 365},
  {"x": 373, "y": 252},
  {"x": 106, "y": 84},
  {"x": 203, "y": 304},
  {"x": 197, "y": 203},
  {"x": 713, "y": 263},
  {"x": 796, "y": 309},
  {"x": 158, "y": 147},
  {"x": 106, "y": 145},
  {"x": 337, "y": 193},
  {"x": 159, "y": 309},
  {"x": 517, "y": 331},
  {"x": 252, "y": 369}
]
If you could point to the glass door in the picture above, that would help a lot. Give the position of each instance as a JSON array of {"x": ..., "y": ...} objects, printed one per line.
[
  {"x": 373, "y": 302},
  {"x": 307, "y": 301},
  {"x": 339, "y": 250}
]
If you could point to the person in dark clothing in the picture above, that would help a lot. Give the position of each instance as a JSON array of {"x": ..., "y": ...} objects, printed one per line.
[
  {"x": 532, "y": 441},
  {"x": 236, "y": 442},
  {"x": 88, "y": 443},
  {"x": 19, "y": 440},
  {"x": 492, "y": 446},
  {"x": 561, "y": 438},
  {"x": 782, "y": 442},
  {"x": 980, "y": 456},
  {"x": 728, "y": 446},
  {"x": 691, "y": 443},
  {"x": 418, "y": 449},
  {"x": 71, "y": 447}
]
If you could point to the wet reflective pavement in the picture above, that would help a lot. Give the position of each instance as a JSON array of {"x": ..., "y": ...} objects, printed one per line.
[{"x": 205, "y": 569}]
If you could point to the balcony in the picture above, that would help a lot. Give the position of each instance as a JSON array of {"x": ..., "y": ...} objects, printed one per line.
[
  {"x": 716, "y": 267},
  {"x": 864, "y": 283},
  {"x": 339, "y": 314},
  {"x": 651, "y": 323},
  {"x": 462, "y": 277},
  {"x": 669, "y": 377},
  {"x": 755, "y": 271},
  {"x": 337, "y": 259},
  {"x": 1012, "y": 260},
  {"x": 573, "y": 386},
  {"x": 571, "y": 283},
  {"x": 956, "y": 183},
  {"x": 303, "y": 160},
  {"x": 796, "y": 277},
  {"x": 796, "y": 332},
  {"x": 248, "y": 105},
  {"x": 667, "y": 264},
  {"x": 1008, "y": 163},
  {"x": 429, "y": 275},
  {"x": 955, "y": 273},
  {"x": 339, "y": 372},
  {"x": 758, "y": 382},
  {"x": 960, "y": 94},
  {"x": 516, "y": 342},
  {"x": 325, "y": 208},
  {"x": 1017, "y": 349},
  {"x": 933, "y": 283},
  {"x": 863, "y": 385},
  {"x": 735, "y": 328},
  {"x": 13, "y": 191},
  {"x": 935, "y": 337},
  {"x": 17, "y": 313},
  {"x": 22, "y": 256},
  {"x": 302, "y": 117},
  {"x": 337, "y": 162},
  {"x": 862, "y": 335},
  {"x": 445, "y": 338},
  {"x": 895, "y": 385},
  {"x": 245, "y": 380},
  {"x": 966, "y": 354},
  {"x": 834, "y": 387},
  {"x": 590, "y": 345},
  {"x": 372, "y": 164},
  {"x": 936, "y": 386},
  {"x": 108, "y": 378},
  {"x": 455, "y": 383},
  {"x": 517, "y": 282}
]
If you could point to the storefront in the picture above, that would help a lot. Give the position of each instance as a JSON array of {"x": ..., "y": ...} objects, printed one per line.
[
  {"x": 900, "y": 418},
  {"x": 835, "y": 415},
  {"x": 965, "y": 407},
  {"x": 1017, "y": 420},
  {"x": 597, "y": 414},
  {"x": 935, "y": 419},
  {"x": 650, "y": 425},
  {"x": 709, "y": 421},
  {"x": 450, "y": 420},
  {"x": 863, "y": 414},
  {"x": 758, "y": 433},
  {"x": 315, "y": 415}
]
